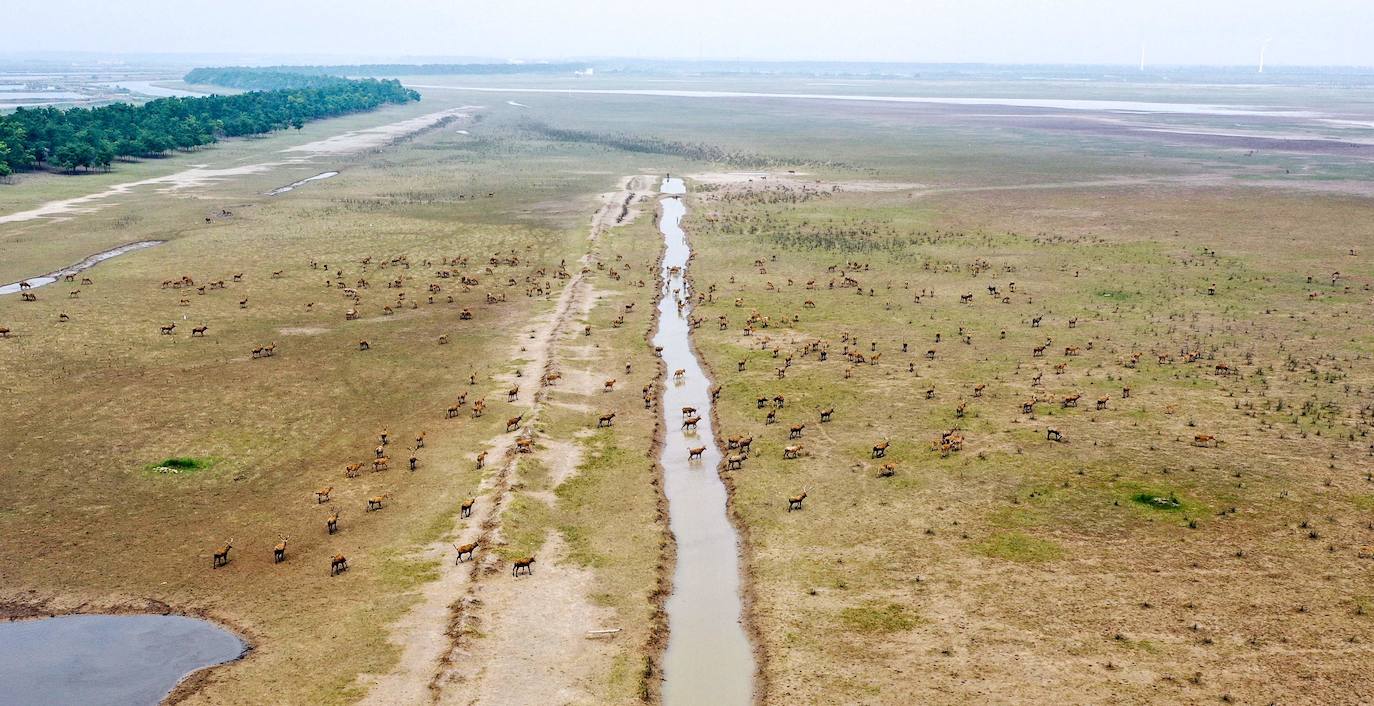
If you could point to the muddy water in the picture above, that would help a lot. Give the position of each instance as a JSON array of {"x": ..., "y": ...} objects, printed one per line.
[
  {"x": 79, "y": 267},
  {"x": 709, "y": 660},
  {"x": 106, "y": 659},
  {"x": 292, "y": 186}
]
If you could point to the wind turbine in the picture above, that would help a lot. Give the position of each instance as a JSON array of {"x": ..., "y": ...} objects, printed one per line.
[
  {"x": 1142, "y": 56},
  {"x": 1263, "y": 46}
]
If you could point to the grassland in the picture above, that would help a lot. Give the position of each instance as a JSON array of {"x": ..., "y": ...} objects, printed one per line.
[{"x": 1122, "y": 564}]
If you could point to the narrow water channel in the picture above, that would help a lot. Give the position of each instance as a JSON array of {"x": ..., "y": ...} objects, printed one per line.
[
  {"x": 709, "y": 660},
  {"x": 78, "y": 268}
]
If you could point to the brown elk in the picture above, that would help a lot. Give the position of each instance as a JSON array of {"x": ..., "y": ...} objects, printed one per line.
[
  {"x": 381, "y": 464},
  {"x": 221, "y": 557},
  {"x": 467, "y": 549},
  {"x": 363, "y": 345},
  {"x": 688, "y": 411},
  {"x": 791, "y": 451},
  {"x": 479, "y": 407},
  {"x": 322, "y": 495},
  {"x": 1205, "y": 440},
  {"x": 734, "y": 462},
  {"x": 465, "y": 510},
  {"x": 1125, "y": 392},
  {"x": 880, "y": 448},
  {"x": 376, "y": 502},
  {"x": 1071, "y": 400},
  {"x": 524, "y": 445},
  {"x": 443, "y": 339},
  {"x": 513, "y": 393},
  {"x": 608, "y": 386},
  {"x": 481, "y": 459},
  {"x": 679, "y": 374},
  {"x": 168, "y": 329},
  {"x": 978, "y": 389},
  {"x": 4, "y": 332},
  {"x": 1028, "y": 407},
  {"x": 1053, "y": 435},
  {"x": 695, "y": 452},
  {"x": 795, "y": 502},
  {"x": 826, "y": 414},
  {"x": 526, "y": 563},
  {"x": 351, "y": 315},
  {"x": 351, "y": 470},
  {"x": 338, "y": 565},
  {"x": 331, "y": 523},
  {"x": 279, "y": 551},
  {"x": 796, "y": 431},
  {"x": 199, "y": 330},
  {"x": 690, "y": 423},
  {"x": 1102, "y": 401},
  {"x": 1038, "y": 352},
  {"x": 514, "y": 422},
  {"x": 887, "y": 470},
  {"x": 1072, "y": 350}
]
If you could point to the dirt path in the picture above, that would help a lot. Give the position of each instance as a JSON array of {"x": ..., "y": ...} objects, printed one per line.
[{"x": 428, "y": 634}]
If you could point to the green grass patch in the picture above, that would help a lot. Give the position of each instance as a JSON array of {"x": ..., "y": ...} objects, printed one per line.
[
  {"x": 180, "y": 465},
  {"x": 875, "y": 618},
  {"x": 1158, "y": 501},
  {"x": 1017, "y": 546}
]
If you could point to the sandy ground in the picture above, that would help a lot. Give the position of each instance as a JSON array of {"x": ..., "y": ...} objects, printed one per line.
[
  {"x": 202, "y": 175},
  {"x": 432, "y": 661},
  {"x": 359, "y": 140},
  {"x": 797, "y": 180}
]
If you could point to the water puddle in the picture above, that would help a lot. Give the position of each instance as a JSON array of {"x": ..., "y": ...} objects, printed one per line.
[
  {"x": 107, "y": 659},
  {"x": 709, "y": 660},
  {"x": 290, "y": 187},
  {"x": 79, "y": 267}
]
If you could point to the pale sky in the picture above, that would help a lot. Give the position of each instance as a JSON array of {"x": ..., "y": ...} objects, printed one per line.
[{"x": 1302, "y": 32}]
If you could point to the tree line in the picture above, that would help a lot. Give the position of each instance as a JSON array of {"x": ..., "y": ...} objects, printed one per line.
[
  {"x": 88, "y": 138},
  {"x": 402, "y": 69}
]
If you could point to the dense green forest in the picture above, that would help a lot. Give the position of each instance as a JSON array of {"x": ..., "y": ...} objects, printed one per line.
[
  {"x": 393, "y": 70},
  {"x": 87, "y": 138}
]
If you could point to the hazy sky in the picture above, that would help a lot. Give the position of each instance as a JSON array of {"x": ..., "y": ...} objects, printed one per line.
[{"x": 1005, "y": 31}]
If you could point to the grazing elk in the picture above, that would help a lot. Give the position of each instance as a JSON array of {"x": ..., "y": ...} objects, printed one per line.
[
  {"x": 221, "y": 557},
  {"x": 887, "y": 470},
  {"x": 734, "y": 462},
  {"x": 338, "y": 565},
  {"x": 526, "y": 563},
  {"x": 880, "y": 448}
]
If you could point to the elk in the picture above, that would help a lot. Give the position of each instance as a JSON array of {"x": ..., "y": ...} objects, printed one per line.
[
  {"x": 796, "y": 431},
  {"x": 605, "y": 420},
  {"x": 826, "y": 414},
  {"x": 688, "y": 411},
  {"x": 791, "y": 451},
  {"x": 322, "y": 495},
  {"x": 1204, "y": 440},
  {"x": 443, "y": 339},
  {"x": 795, "y": 502},
  {"x": 221, "y": 557},
  {"x": 199, "y": 330},
  {"x": 690, "y": 423},
  {"x": 4, "y": 332},
  {"x": 363, "y": 345},
  {"x": 513, "y": 393},
  {"x": 734, "y": 462},
  {"x": 978, "y": 389},
  {"x": 481, "y": 459},
  {"x": 279, "y": 551},
  {"x": 679, "y": 374},
  {"x": 1125, "y": 392},
  {"x": 331, "y": 523},
  {"x": 467, "y": 549},
  {"x": 351, "y": 315},
  {"x": 887, "y": 470},
  {"x": 1053, "y": 435},
  {"x": 1071, "y": 400},
  {"x": 466, "y": 509},
  {"x": 880, "y": 448},
  {"x": 351, "y": 470},
  {"x": 1028, "y": 407},
  {"x": 1038, "y": 352},
  {"x": 338, "y": 565},
  {"x": 451, "y": 412},
  {"x": 479, "y": 407},
  {"x": 376, "y": 502},
  {"x": 608, "y": 386},
  {"x": 514, "y": 422},
  {"x": 168, "y": 329},
  {"x": 526, "y": 563},
  {"x": 1102, "y": 401},
  {"x": 695, "y": 453}
]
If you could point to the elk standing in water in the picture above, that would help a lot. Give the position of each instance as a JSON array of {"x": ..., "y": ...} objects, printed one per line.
[
  {"x": 221, "y": 557},
  {"x": 695, "y": 452}
]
